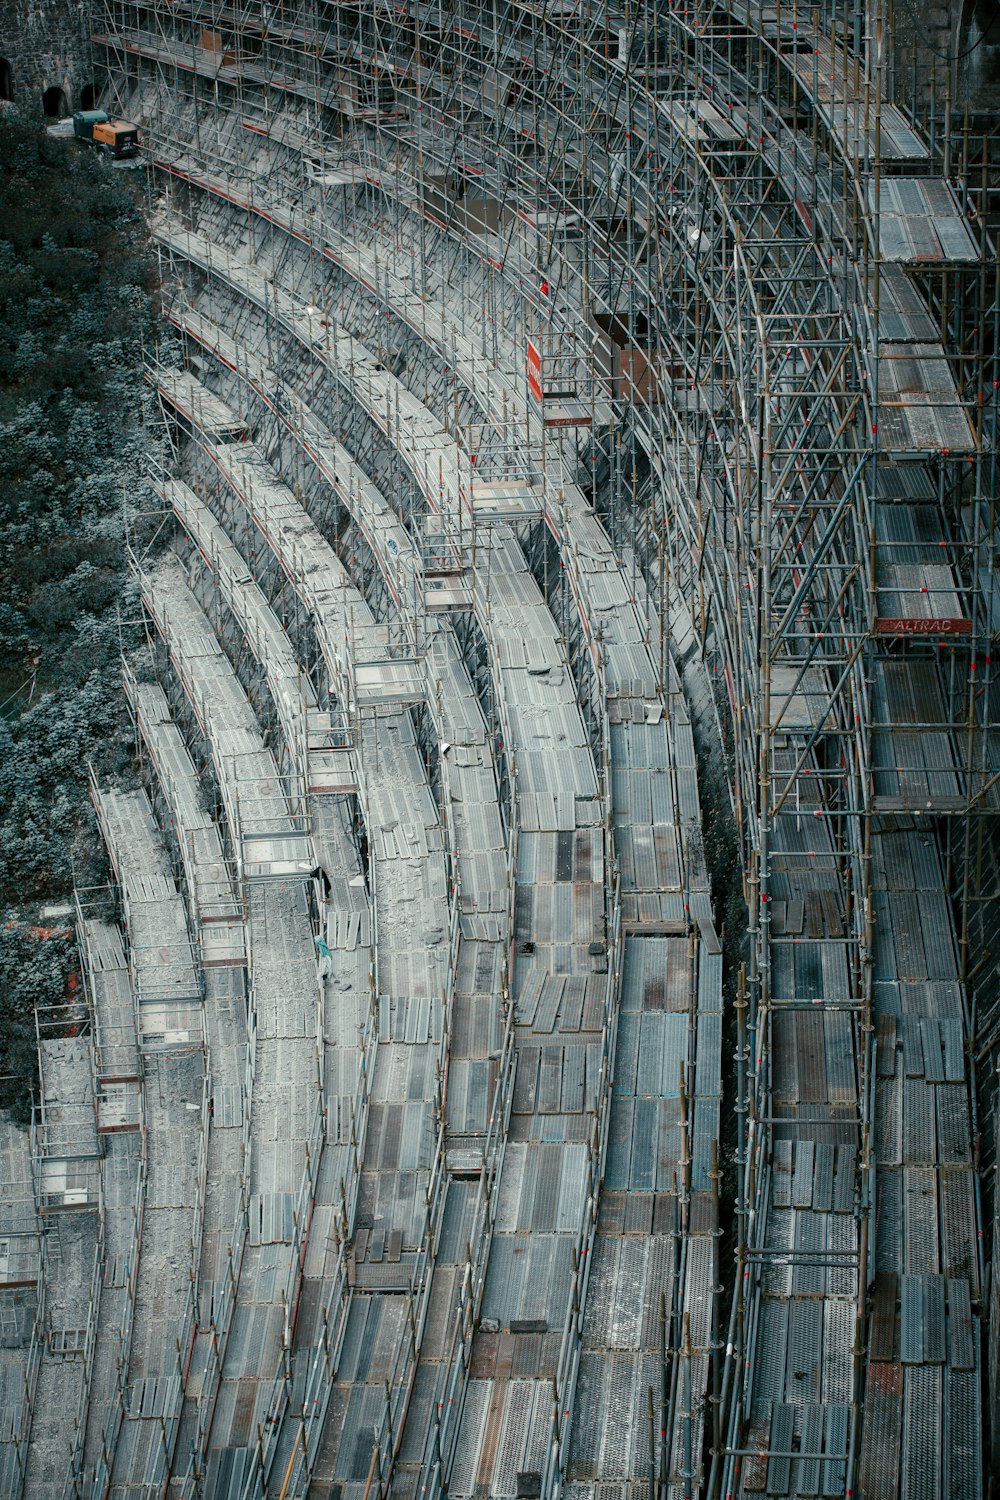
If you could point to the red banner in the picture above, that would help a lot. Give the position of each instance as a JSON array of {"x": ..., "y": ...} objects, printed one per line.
[
  {"x": 534, "y": 371},
  {"x": 919, "y": 625}
]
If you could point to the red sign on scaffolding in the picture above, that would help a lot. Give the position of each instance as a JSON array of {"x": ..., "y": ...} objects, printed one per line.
[
  {"x": 919, "y": 625},
  {"x": 534, "y": 371}
]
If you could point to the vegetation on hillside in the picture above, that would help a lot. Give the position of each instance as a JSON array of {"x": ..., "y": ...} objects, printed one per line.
[
  {"x": 76, "y": 305},
  {"x": 37, "y": 966}
]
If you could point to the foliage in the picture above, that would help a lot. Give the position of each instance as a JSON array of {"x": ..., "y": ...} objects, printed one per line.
[
  {"x": 34, "y": 968},
  {"x": 77, "y": 302}
]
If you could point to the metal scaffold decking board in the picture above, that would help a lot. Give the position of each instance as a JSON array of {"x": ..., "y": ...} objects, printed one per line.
[{"x": 159, "y": 1310}]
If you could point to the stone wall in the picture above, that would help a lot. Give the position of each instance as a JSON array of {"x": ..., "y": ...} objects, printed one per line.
[
  {"x": 937, "y": 41},
  {"x": 46, "y": 44}
]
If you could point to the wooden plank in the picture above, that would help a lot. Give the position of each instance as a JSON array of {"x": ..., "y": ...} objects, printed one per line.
[
  {"x": 754, "y": 1467},
  {"x": 794, "y": 914},
  {"x": 886, "y": 1045},
  {"x": 880, "y": 1438},
  {"x": 831, "y": 913},
  {"x": 814, "y": 916},
  {"x": 883, "y": 1342},
  {"x": 913, "y": 1051}
]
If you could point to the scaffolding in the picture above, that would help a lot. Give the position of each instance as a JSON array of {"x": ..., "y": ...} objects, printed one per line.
[
  {"x": 700, "y": 273},
  {"x": 474, "y": 879},
  {"x": 156, "y": 1195},
  {"x": 22, "y": 1303}
]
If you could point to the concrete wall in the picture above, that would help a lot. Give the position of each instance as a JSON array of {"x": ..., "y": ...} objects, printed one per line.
[{"x": 47, "y": 45}]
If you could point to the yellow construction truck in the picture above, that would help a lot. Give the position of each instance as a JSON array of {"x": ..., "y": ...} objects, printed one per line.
[{"x": 108, "y": 135}]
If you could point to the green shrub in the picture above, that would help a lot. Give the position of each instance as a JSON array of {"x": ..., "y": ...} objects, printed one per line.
[
  {"x": 77, "y": 304},
  {"x": 35, "y": 969}
]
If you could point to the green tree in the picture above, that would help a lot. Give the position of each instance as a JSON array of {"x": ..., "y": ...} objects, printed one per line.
[
  {"x": 77, "y": 305},
  {"x": 36, "y": 969}
]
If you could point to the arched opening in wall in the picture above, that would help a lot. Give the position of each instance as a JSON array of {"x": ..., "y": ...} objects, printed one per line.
[
  {"x": 88, "y": 96},
  {"x": 54, "y": 104},
  {"x": 978, "y": 49},
  {"x": 6, "y": 80}
]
